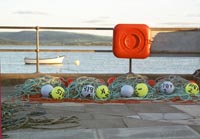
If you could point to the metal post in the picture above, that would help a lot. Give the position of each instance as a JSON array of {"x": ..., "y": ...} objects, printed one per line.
[
  {"x": 130, "y": 65},
  {"x": 37, "y": 49}
]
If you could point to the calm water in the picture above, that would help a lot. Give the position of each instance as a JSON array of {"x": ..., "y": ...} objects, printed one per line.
[{"x": 13, "y": 62}]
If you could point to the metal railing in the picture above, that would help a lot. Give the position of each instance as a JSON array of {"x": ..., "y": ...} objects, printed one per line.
[{"x": 38, "y": 50}]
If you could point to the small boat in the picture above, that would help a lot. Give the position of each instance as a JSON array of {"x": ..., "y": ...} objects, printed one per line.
[{"x": 54, "y": 60}]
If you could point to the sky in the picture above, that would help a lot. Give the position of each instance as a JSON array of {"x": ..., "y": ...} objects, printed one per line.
[{"x": 99, "y": 13}]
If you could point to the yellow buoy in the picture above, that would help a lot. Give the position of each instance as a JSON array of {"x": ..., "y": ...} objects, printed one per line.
[
  {"x": 192, "y": 88},
  {"x": 102, "y": 92},
  {"x": 58, "y": 92},
  {"x": 141, "y": 90}
]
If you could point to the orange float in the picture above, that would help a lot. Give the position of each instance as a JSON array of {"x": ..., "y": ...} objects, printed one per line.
[
  {"x": 193, "y": 81},
  {"x": 69, "y": 81},
  {"x": 131, "y": 41},
  {"x": 151, "y": 82},
  {"x": 102, "y": 81},
  {"x": 110, "y": 80}
]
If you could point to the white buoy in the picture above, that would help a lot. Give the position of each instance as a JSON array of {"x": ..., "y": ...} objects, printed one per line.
[
  {"x": 127, "y": 91},
  {"x": 167, "y": 87},
  {"x": 46, "y": 90},
  {"x": 77, "y": 62},
  {"x": 88, "y": 91}
]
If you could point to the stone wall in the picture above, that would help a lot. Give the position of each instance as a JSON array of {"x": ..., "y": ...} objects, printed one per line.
[{"x": 182, "y": 41}]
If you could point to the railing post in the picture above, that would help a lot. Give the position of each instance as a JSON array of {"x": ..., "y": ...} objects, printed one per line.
[
  {"x": 130, "y": 65},
  {"x": 37, "y": 49}
]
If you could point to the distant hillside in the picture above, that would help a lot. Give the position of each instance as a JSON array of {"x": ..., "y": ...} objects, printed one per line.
[{"x": 53, "y": 38}]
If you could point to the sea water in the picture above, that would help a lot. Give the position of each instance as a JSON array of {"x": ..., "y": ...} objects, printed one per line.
[{"x": 93, "y": 62}]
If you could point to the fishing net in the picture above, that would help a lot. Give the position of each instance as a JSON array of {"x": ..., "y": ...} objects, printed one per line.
[
  {"x": 17, "y": 109},
  {"x": 19, "y": 112},
  {"x": 196, "y": 76},
  {"x": 74, "y": 89},
  {"x": 26, "y": 115},
  {"x": 129, "y": 79},
  {"x": 179, "y": 91},
  {"x": 33, "y": 86},
  {"x": 154, "y": 92}
]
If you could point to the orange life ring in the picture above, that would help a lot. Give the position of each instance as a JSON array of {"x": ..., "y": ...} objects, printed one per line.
[{"x": 131, "y": 41}]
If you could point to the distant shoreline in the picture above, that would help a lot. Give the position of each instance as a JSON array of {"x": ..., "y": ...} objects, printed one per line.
[{"x": 54, "y": 38}]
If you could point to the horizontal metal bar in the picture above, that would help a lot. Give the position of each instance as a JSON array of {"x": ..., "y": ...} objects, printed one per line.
[
  {"x": 64, "y": 50},
  {"x": 17, "y": 27},
  {"x": 173, "y": 55},
  {"x": 17, "y": 50},
  {"x": 100, "y": 28},
  {"x": 176, "y": 29},
  {"x": 175, "y": 52},
  {"x": 153, "y": 53},
  {"x": 55, "y": 28},
  {"x": 48, "y": 50},
  {"x": 77, "y": 28}
]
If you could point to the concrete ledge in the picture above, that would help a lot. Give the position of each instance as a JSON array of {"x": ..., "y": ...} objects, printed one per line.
[{"x": 18, "y": 78}]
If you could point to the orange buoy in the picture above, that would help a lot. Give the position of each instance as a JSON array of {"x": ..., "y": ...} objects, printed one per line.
[
  {"x": 69, "y": 81},
  {"x": 131, "y": 41},
  {"x": 151, "y": 82},
  {"x": 193, "y": 81},
  {"x": 110, "y": 80},
  {"x": 102, "y": 81},
  {"x": 62, "y": 79}
]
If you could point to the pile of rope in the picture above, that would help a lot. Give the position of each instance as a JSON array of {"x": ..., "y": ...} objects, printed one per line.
[
  {"x": 19, "y": 113},
  {"x": 74, "y": 89},
  {"x": 11, "y": 121},
  {"x": 33, "y": 86},
  {"x": 154, "y": 93},
  {"x": 16, "y": 115},
  {"x": 196, "y": 76},
  {"x": 129, "y": 79},
  {"x": 179, "y": 92}
]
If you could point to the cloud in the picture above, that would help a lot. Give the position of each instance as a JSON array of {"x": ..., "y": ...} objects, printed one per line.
[
  {"x": 193, "y": 15},
  {"x": 180, "y": 24},
  {"x": 31, "y": 13},
  {"x": 99, "y": 20},
  {"x": 94, "y": 21}
]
